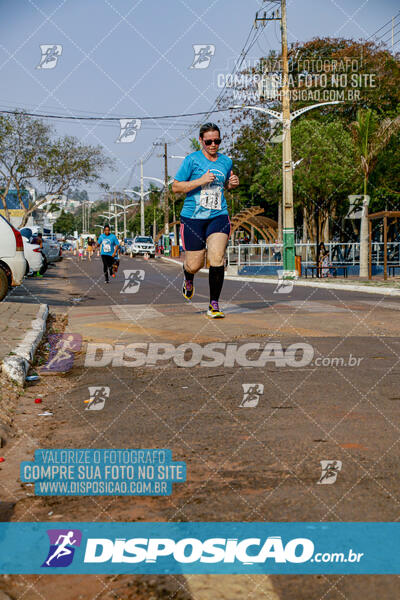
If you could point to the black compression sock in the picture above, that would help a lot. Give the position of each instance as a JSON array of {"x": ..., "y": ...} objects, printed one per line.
[
  {"x": 216, "y": 281},
  {"x": 188, "y": 276}
]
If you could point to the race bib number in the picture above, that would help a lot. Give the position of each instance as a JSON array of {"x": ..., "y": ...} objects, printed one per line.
[
  {"x": 106, "y": 246},
  {"x": 211, "y": 198}
]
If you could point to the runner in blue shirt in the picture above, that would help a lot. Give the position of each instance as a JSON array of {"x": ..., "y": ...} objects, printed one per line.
[
  {"x": 202, "y": 176},
  {"x": 109, "y": 245}
]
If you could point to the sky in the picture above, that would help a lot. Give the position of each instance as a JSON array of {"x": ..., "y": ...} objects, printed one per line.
[{"x": 133, "y": 58}]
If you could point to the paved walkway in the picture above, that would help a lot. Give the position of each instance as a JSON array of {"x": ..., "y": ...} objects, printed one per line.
[{"x": 15, "y": 320}]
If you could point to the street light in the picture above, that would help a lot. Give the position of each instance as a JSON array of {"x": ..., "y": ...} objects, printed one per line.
[
  {"x": 114, "y": 215},
  {"x": 142, "y": 195},
  {"x": 286, "y": 118},
  {"x": 173, "y": 205},
  {"x": 124, "y": 209}
]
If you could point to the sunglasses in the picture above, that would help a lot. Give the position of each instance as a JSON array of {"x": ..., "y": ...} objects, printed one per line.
[{"x": 209, "y": 142}]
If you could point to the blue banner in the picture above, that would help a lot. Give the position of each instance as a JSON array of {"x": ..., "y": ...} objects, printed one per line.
[
  {"x": 103, "y": 472},
  {"x": 195, "y": 548}
]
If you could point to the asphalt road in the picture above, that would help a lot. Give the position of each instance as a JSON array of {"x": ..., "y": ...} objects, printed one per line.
[
  {"x": 162, "y": 282},
  {"x": 260, "y": 462}
]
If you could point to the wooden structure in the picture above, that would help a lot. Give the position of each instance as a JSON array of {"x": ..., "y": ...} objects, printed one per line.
[
  {"x": 253, "y": 217},
  {"x": 246, "y": 218},
  {"x": 161, "y": 232},
  {"x": 385, "y": 215}
]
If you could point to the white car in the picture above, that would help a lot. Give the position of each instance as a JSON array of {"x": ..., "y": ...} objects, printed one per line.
[
  {"x": 12, "y": 258},
  {"x": 143, "y": 245},
  {"x": 35, "y": 258},
  {"x": 51, "y": 250}
]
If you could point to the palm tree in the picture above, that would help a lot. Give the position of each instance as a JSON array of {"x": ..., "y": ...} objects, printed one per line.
[{"x": 370, "y": 138}]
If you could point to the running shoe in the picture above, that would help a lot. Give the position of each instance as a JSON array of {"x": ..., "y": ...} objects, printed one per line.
[
  {"x": 214, "y": 312},
  {"x": 188, "y": 289}
]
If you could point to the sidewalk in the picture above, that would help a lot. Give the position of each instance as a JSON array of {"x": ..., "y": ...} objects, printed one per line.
[
  {"x": 21, "y": 329},
  {"x": 15, "y": 320}
]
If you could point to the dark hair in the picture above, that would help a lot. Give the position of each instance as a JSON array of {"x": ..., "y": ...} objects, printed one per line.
[
  {"x": 105, "y": 226},
  {"x": 208, "y": 127}
]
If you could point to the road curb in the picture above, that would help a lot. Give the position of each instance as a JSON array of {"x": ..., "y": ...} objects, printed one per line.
[
  {"x": 16, "y": 365},
  {"x": 322, "y": 286},
  {"x": 314, "y": 284}
]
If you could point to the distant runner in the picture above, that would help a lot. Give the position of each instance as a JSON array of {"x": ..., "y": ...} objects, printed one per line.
[
  {"x": 90, "y": 248},
  {"x": 108, "y": 244},
  {"x": 204, "y": 217}
]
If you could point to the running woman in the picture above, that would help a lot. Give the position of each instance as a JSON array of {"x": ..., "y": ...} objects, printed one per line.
[
  {"x": 202, "y": 176},
  {"x": 108, "y": 243}
]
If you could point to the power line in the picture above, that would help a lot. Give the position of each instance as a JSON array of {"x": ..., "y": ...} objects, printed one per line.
[
  {"x": 385, "y": 25},
  {"x": 392, "y": 33},
  {"x": 110, "y": 119},
  {"x": 388, "y": 32}
]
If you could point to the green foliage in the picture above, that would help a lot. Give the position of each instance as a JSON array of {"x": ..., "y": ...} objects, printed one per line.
[
  {"x": 328, "y": 172},
  {"x": 194, "y": 144},
  {"x": 65, "y": 223},
  {"x": 371, "y": 136}
]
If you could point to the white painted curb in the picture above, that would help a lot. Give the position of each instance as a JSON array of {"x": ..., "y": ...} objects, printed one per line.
[
  {"x": 16, "y": 365},
  {"x": 322, "y": 286}
]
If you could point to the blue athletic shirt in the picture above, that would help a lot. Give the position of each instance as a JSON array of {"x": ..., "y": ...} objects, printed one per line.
[
  {"x": 108, "y": 243},
  {"x": 193, "y": 167}
]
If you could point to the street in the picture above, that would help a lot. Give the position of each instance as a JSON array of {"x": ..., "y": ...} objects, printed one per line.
[{"x": 249, "y": 458}]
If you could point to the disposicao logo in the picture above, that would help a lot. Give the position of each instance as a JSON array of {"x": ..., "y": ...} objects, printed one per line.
[
  {"x": 190, "y": 550},
  {"x": 62, "y": 547}
]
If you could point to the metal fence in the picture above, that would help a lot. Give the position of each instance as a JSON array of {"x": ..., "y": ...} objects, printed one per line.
[{"x": 339, "y": 253}]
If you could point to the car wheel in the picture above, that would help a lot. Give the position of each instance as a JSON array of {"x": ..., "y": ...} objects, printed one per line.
[
  {"x": 44, "y": 266},
  {"x": 3, "y": 284}
]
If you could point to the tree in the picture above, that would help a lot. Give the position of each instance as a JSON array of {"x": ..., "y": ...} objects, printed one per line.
[
  {"x": 65, "y": 223},
  {"x": 370, "y": 138},
  {"x": 22, "y": 141},
  {"x": 29, "y": 152},
  {"x": 67, "y": 162},
  {"x": 324, "y": 177}
]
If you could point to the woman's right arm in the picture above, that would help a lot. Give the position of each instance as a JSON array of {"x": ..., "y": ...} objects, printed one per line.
[{"x": 183, "y": 187}]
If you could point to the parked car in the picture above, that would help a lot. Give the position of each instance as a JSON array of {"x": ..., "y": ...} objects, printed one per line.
[
  {"x": 66, "y": 246},
  {"x": 143, "y": 245},
  {"x": 36, "y": 260},
  {"x": 51, "y": 249},
  {"x": 13, "y": 263}
]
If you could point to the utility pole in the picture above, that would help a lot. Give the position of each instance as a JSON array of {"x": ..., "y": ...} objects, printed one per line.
[
  {"x": 166, "y": 206},
  {"x": 84, "y": 227},
  {"x": 124, "y": 218},
  {"x": 288, "y": 213},
  {"x": 115, "y": 215},
  {"x": 142, "y": 232},
  {"x": 88, "y": 217},
  {"x": 286, "y": 117},
  {"x": 392, "y": 34}
]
